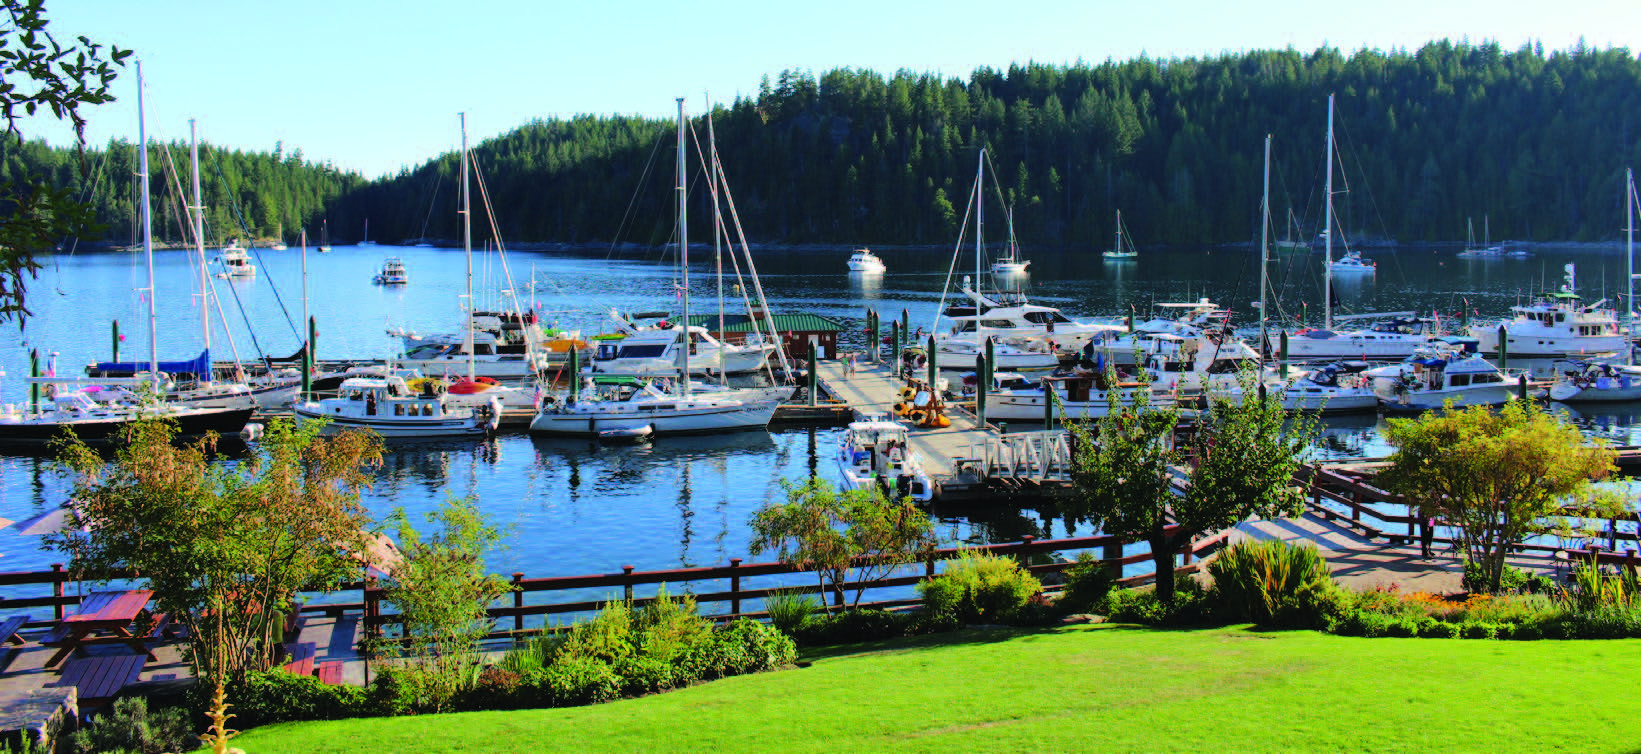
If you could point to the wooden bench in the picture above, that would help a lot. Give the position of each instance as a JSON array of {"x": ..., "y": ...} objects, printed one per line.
[
  {"x": 299, "y": 659},
  {"x": 97, "y": 680},
  {"x": 9, "y": 629},
  {"x": 329, "y": 672}
]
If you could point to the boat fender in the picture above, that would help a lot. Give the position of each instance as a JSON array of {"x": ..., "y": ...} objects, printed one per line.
[
  {"x": 486, "y": 380},
  {"x": 902, "y": 408},
  {"x": 919, "y": 416},
  {"x": 906, "y": 393},
  {"x": 942, "y": 421}
]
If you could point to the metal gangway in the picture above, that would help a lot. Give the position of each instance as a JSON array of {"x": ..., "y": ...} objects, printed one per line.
[{"x": 1043, "y": 456}]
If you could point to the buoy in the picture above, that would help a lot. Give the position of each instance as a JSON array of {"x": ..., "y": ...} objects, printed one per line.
[
  {"x": 942, "y": 422},
  {"x": 918, "y": 417},
  {"x": 902, "y": 408},
  {"x": 906, "y": 393}
]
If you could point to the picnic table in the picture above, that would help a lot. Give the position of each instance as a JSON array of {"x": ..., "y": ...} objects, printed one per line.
[{"x": 111, "y": 613}]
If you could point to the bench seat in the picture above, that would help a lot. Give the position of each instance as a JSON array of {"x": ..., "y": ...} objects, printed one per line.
[
  {"x": 97, "y": 680},
  {"x": 9, "y": 629}
]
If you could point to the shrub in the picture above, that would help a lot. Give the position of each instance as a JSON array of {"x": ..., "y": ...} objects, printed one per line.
[
  {"x": 1261, "y": 581},
  {"x": 1402, "y": 628},
  {"x": 853, "y": 626},
  {"x": 979, "y": 587},
  {"x": 788, "y": 609},
  {"x": 1190, "y": 605},
  {"x": 608, "y": 637},
  {"x": 132, "y": 727},
  {"x": 666, "y": 628},
  {"x": 644, "y": 675},
  {"x": 274, "y": 696},
  {"x": 1088, "y": 581},
  {"x": 1431, "y": 628},
  {"x": 1478, "y": 630},
  {"x": 1540, "y": 583},
  {"x": 531, "y": 655},
  {"x": 1512, "y": 579},
  {"x": 571, "y": 680}
]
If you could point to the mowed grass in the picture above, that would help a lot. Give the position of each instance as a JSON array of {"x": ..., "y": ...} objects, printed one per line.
[{"x": 1084, "y": 689}]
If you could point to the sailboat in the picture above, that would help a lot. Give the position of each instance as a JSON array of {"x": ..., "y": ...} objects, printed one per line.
[
  {"x": 279, "y": 239},
  {"x": 389, "y": 406},
  {"x": 365, "y": 239},
  {"x": 640, "y": 408},
  {"x": 1010, "y": 263},
  {"x": 1289, "y": 244},
  {"x": 99, "y": 412},
  {"x": 324, "y": 236},
  {"x": 1121, "y": 250},
  {"x": 1395, "y": 335}
]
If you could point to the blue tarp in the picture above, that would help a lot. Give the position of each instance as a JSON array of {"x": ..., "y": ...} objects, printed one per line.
[{"x": 200, "y": 365}]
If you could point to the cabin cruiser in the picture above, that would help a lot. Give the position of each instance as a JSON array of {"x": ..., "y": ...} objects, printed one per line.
[
  {"x": 514, "y": 334},
  {"x": 1557, "y": 325},
  {"x": 875, "y": 455},
  {"x": 1010, "y": 318},
  {"x": 1187, "y": 320},
  {"x": 1579, "y": 380},
  {"x": 1188, "y": 366},
  {"x": 1352, "y": 261},
  {"x": 392, "y": 273},
  {"x": 487, "y": 359},
  {"x": 863, "y": 260},
  {"x": 1330, "y": 389},
  {"x": 390, "y": 407},
  {"x": 653, "y": 351},
  {"x": 1432, "y": 378},
  {"x": 625, "y": 407},
  {"x": 1394, "y": 338},
  {"x": 1077, "y": 396},
  {"x": 235, "y": 262}
]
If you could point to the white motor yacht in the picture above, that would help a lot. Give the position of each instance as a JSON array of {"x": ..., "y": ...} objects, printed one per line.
[
  {"x": 392, "y": 272},
  {"x": 1429, "y": 380},
  {"x": 1352, "y": 262},
  {"x": 1595, "y": 381},
  {"x": 235, "y": 262},
  {"x": 1083, "y": 395},
  {"x": 875, "y": 454},
  {"x": 1013, "y": 319},
  {"x": 1331, "y": 389},
  {"x": 1190, "y": 366},
  {"x": 1394, "y": 338},
  {"x": 654, "y": 351},
  {"x": 488, "y": 359},
  {"x": 863, "y": 260},
  {"x": 389, "y": 407},
  {"x": 628, "y": 407},
  {"x": 1558, "y": 324}
]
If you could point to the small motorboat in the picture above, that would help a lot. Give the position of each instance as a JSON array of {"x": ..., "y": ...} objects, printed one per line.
[
  {"x": 863, "y": 260},
  {"x": 625, "y": 432}
]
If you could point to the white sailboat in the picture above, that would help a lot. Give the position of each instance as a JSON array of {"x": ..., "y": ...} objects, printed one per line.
[
  {"x": 279, "y": 239},
  {"x": 1119, "y": 250},
  {"x": 661, "y": 408},
  {"x": 365, "y": 239},
  {"x": 324, "y": 236},
  {"x": 1010, "y": 263}
]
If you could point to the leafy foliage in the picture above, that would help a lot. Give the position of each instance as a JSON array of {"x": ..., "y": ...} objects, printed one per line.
[
  {"x": 132, "y": 727},
  {"x": 788, "y": 609},
  {"x": 1088, "y": 581},
  {"x": 979, "y": 587},
  {"x": 41, "y": 76},
  {"x": 443, "y": 593},
  {"x": 224, "y": 549},
  {"x": 831, "y": 533},
  {"x": 1495, "y": 475},
  {"x": 1238, "y": 462},
  {"x": 1263, "y": 581}
]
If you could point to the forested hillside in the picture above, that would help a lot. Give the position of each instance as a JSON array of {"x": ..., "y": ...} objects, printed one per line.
[{"x": 1537, "y": 142}]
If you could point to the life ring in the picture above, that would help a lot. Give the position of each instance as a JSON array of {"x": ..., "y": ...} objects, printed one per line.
[
  {"x": 907, "y": 393},
  {"x": 902, "y": 408}
]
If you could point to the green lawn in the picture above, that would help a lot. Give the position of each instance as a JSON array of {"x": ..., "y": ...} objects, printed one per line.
[{"x": 1085, "y": 689}]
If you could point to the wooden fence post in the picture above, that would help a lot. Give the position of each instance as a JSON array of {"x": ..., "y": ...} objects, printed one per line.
[
  {"x": 518, "y": 601},
  {"x": 626, "y": 570},
  {"x": 57, "y": 590},
  {"x": 735, "y": 588}
]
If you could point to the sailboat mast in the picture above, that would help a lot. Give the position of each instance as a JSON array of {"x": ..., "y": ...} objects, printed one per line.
[
  {"x": 1265, "y": 250},
  {"x": 683, "y": 253},
  {"x": 199, "y": 245},
  {"x": 147, "y": 232},
  {"x": 467, "y": 247},
  {"x": 718, "y": 249},
  {"x": 1118, "y": 247},
  {"x": 1327, "y": 228},
  {"x": 979, "y": 225},
  {"x": 1629, "y": 229}
]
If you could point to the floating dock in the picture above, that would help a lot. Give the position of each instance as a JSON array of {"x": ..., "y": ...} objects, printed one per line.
[{"x": 967, "y": 460}]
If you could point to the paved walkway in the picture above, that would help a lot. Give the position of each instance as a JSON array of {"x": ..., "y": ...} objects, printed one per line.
[{"x": 1362, "y": 563}]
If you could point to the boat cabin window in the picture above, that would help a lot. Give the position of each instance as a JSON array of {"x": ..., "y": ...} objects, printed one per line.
[
  {"x": 1002, "y": 323},
  {"x": 964, "y": 326},
  {"x": 656, "y": 407},
  {"x": 643, "y": 351},
  {"x": 1459, "y": 380}
]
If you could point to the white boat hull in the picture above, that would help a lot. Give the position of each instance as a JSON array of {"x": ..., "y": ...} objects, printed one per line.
[
  {"x": 593, "y": 418},
  {"x": 456, "y": 366},
  {"x": 1429, "y": 400},
  {"x": 1563, "y": 391},
  {"x": 1352, "y": 347},
  {"x": 389, "y": 426},
  {"x": 1524, "y": 344},
  {"x": 704, "y": 363}
]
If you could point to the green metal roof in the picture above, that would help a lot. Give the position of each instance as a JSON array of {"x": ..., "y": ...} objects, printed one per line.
[{"x": 782, "y": 322}]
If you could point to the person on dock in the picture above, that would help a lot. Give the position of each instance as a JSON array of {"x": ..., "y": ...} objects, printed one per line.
[
  {"x": 849, "y": 364},
  {"x": 1427, "y": 539}
]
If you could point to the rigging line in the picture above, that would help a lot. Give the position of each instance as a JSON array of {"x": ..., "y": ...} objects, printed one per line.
[
  {"x": 501, "y": 248},
  {"x": 233, "y": 205},
  {"x": 951, "y": 271},
  {"x": 632, "y": 201},
  {"x": 438, "y": 180}
]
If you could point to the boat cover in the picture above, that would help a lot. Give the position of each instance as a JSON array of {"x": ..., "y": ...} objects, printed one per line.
[{"x": 196, "y": 366}]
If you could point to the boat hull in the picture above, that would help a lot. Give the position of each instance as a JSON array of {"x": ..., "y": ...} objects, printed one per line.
[
  {"x": 593, "y": 419},
  {"x": 395, "y": 426},
  {"x": 105, "y": 430}
]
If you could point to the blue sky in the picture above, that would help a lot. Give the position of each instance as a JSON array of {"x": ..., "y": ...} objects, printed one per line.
[{"x": 373, "y": 85}]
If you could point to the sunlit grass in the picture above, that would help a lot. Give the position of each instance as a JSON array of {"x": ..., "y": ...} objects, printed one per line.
[{"x": 1085, "y": 689}]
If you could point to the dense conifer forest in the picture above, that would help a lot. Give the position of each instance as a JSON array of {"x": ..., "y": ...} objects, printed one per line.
[{"x": 1428, "y": 139}]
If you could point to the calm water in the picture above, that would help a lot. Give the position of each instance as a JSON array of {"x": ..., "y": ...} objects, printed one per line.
[{"x": 574, "y": 507}]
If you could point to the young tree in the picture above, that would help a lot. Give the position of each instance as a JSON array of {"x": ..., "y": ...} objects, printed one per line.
[
  {"x": 830, "y": 533},
  {"x": 39, "y": 75},
  {"x": 444, "y": 592},
  {"x": 225, "y": 549},
  {"x": 1495, "y": 475},
  {"x": 1137, "y": 476}
]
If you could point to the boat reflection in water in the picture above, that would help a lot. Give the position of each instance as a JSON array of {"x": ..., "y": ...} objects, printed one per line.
[
  {"x": 1350, "y": 436},
  {"x": 1618, "y": 423}
]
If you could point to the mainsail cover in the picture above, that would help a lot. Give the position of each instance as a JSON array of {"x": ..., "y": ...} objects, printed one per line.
[{"x": 200, "y": 365}]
